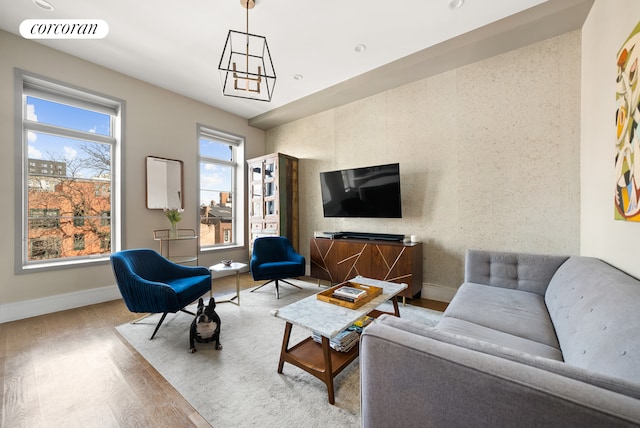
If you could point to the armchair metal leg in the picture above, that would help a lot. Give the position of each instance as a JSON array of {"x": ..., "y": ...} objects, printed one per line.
[
  {"x": 162, "y": 320},
  {"x": 277, "y": 286},
  {"x": 260, "y": 286},
  {"x": 158, "y": 325},
  {"x": 278, "y": 290},
  {"x": 297, "y": 286},
  {"x": 137, "y": 320}
]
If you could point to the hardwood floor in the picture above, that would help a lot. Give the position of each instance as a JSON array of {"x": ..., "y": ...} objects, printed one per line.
[{"x": 72, "y": 368}]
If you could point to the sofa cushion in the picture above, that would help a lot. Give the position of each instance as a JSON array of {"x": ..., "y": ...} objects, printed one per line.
[
  {"x": 526, "y": 272},
  {"x": 594, "y": 308},
  {"x": 465, "y": 328},
  {"x": 515, "y": 312},
  {"x": 609, "y": 383}
]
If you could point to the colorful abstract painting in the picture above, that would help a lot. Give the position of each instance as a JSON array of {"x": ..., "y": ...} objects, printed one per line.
[{"x": 627, "y": 197}]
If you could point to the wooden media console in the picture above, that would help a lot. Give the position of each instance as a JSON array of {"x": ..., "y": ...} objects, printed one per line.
[{"x": 338, "y": 260}]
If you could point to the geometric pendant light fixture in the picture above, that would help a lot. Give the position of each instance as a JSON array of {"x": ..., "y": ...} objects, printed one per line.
[{"x": 246, "y": 69}]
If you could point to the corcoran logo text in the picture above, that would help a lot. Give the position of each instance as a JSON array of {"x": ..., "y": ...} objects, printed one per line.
[{"x": 64, "y": 29}]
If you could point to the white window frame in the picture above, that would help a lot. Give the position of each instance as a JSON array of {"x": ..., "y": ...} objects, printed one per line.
[
  {"x": 29, "y": 84},
  {"x": 238, "y": 185}
]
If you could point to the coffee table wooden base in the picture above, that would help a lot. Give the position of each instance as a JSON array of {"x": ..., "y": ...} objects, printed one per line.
[
  {"x": 320, "y": 360},
  {"x": 316, "y": 359}
]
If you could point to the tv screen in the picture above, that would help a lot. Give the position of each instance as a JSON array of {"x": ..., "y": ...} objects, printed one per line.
[{"x": 372, "y": 191}]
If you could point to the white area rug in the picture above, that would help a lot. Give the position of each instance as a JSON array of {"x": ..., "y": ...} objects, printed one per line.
[{"x": 239, "y": 386}]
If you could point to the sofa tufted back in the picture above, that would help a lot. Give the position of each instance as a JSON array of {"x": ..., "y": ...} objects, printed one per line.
[
  {"x": 525, "y": 272},
  {"x": 595, "y": 310}
]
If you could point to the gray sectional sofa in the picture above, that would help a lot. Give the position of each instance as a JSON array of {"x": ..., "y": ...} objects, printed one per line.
[{"x": 527, "y": 341}]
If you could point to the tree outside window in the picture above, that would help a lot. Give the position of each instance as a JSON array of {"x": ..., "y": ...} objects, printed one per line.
[
  {"x": 69, "y": 141},
  {"x": 78, "y": 216},
  {"x": 44, "y": 248}
]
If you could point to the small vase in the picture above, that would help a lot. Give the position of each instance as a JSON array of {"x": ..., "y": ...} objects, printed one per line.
[{"x": 173, "y": 232}]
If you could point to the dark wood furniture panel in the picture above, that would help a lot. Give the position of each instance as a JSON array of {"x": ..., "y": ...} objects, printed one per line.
[
  {"x": 339, "y": 260},
  {"x": 352, "y": 259}
]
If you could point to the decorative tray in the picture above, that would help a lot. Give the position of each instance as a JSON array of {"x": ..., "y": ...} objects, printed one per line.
[{"x": 372, "y": 292}]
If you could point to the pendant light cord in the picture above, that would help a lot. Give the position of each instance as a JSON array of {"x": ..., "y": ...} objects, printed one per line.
[{"x": 247, "y": 46}]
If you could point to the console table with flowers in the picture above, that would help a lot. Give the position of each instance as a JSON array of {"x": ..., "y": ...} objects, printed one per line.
[{"x": 179, "y": 246}]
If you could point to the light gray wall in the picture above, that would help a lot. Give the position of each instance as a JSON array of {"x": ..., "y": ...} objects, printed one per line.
[
  {"x": 158, "y": 122},
  {"x": 604, "y": 32},
  {"x": 489, "y": 157}
]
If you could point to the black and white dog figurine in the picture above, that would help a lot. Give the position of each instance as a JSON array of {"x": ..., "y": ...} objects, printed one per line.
[{"x": 206, "y": 325}]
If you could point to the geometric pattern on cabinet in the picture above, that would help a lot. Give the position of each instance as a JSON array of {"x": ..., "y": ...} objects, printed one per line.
[{"x": 339, "y": 260}]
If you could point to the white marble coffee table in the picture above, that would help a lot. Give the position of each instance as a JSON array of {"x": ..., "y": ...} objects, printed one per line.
[
  {"x": 328, "y": 320},
  {"x": 234, "y": 267}
]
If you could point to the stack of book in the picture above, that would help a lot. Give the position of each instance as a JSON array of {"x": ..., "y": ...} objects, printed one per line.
[
  {"x": 349, "y": 294},
  {"x": 361, "y": 323},
  {"x": 343, "y": 342}
]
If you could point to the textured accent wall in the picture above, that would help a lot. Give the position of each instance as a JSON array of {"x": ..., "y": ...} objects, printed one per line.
[{"x": 489, "y": 156}]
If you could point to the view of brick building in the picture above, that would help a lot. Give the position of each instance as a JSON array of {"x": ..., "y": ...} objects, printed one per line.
[
  {"x": 67, "y": 216},
  {"x": 216, "y": 225},
  {"x": 71, "y": 217}
]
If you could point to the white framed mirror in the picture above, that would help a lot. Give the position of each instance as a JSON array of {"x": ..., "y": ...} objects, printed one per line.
[{"x": 164, "y": 183}]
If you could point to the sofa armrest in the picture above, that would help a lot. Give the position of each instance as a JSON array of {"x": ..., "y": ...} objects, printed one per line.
[
  {"x": 415, "y": 380},
  {"x": 526, "y": 272}
]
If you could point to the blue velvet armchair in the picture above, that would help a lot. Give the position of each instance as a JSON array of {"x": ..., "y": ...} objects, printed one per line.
[
  {"x": 149, "y": 283},
  {"x": 274, "y": 259}
]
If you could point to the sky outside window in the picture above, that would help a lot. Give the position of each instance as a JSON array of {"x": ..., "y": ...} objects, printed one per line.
[
  {"x": 66, "y": 116},
  {"x": 216, "y": 149},
  {"x": 215, "y": 177},
  {"x": 65, "y": 149}
]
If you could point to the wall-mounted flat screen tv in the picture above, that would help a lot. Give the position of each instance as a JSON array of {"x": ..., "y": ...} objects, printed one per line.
[{"x": 367, "y": 192}]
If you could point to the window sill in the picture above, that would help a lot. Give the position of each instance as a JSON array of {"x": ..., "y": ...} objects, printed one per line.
[
  {"x": 222, "y": 248},
  {"x": 62, "y": 264}
]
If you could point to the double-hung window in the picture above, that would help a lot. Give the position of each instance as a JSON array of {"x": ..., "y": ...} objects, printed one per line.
[
  {"x": 68, "y": 154},
  {"x": 221, "y": 174}
]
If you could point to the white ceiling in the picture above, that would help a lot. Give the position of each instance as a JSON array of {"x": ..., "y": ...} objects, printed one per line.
[{"x": 179, "y": 47}]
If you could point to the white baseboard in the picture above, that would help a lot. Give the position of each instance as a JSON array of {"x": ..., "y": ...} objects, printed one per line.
[
  {"x": 60, "y": 302},
  {"x": 437, "y": 292}
]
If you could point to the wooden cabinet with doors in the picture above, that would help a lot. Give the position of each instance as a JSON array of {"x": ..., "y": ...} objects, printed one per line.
[{"x": 273, "y": 197}]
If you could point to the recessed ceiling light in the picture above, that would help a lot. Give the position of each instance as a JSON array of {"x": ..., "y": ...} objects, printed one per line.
[
  {"x": 298, "y": 77},
  {"x": 360, "y": 48},
  {"x": 456, "y": 4},
  {"x": 43, "y": 4}
]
